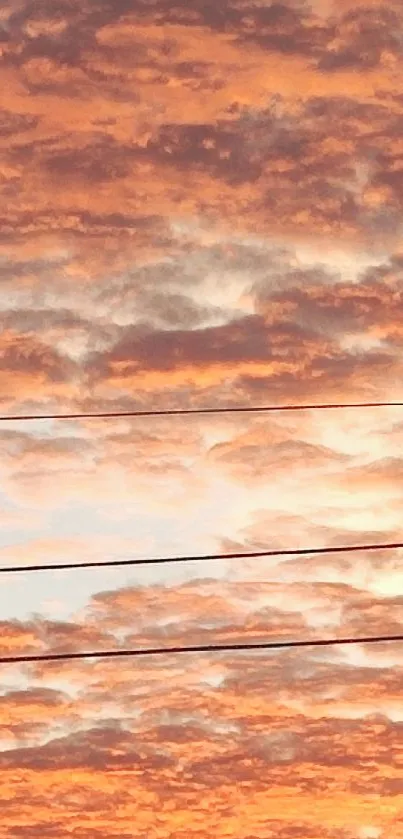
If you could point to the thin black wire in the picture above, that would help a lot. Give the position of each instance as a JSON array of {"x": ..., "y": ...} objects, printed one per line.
[
  {"x": 167, "y": 560},
  {"x": 200, "y": 648},
  {"x": 188, "y": 411}
]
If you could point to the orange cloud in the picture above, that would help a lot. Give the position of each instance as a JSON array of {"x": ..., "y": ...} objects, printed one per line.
[{"x": 201, "y": 205}]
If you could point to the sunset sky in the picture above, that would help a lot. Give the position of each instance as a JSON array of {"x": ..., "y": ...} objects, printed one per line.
[{"x": 201, "y": 206}]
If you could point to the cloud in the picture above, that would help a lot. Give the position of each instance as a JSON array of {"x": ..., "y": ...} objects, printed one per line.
[
  {"x": 37, "y": 704},
  {"x": 230, "y": 136},
  {"x": 256, "y": 455},
  {"x": 18, "y": 637},
  {"x": 25, "y": 356},
  {"x": 281, "y": 166},
  {"x": 288, "y": 355},
  {"x": 361, "y": 37},
  {"x": 39, "y": 634},
  {"x": 93, "y": 749},
  {"x": 201, "y": 205},
  {"x": 175, "y": 750}
]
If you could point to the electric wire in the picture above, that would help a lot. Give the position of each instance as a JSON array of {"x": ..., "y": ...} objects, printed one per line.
[
  {"x": 171, "y": 412},
  {"x": 202, "y": 648},
  {"x": 172, "y": 560},
  {"x": 199, "y": 649}
]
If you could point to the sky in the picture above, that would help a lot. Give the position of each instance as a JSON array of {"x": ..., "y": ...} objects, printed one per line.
[{"x": 201, "y": 206}]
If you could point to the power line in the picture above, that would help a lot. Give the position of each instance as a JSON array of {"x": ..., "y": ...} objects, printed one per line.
[
  {"x": 198, "y": 411},
  {"x": 200, "y": 648},
  {"x": 114, "y": 563}
]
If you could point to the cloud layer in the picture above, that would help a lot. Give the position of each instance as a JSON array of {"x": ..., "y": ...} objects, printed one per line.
[{"x": 201, "y": 205}]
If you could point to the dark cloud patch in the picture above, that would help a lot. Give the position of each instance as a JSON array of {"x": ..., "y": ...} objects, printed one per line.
[
  {"x": 196, "y": 12},
  {"x": 277, "y": 26},
  {"x": 286, "y": 756},
  {"x": 382, "y": 616},
  {"x": 205, "y": 147},
  {"x": 344, "y": 364},
  {"x": 173, "y": 310},
  {"x": 102, "y": 160},
  {"x": 39, "y": 633},
  {"x": 290, "y": 158},
  {"x": 242, "y": 340},
  {"x": 46, "y": 697},
  {"x": 61, "y": 31},
  {"x": 106, "y": 748},
  {"x": 80, "y": 224},
  {"x": 64, "y": 636},
  {"x": 354, "y": 40},
  {"x": 63, "y": 325},
  {"x": 26, "y": 354},
  {"x": 330, "y": 203},
  {"x": 303, "y": 168},
  {"x": 17, "y": 635},
  {"x": 66, "y": 49},
  {"x": 390, "y": 175},
  {"x": 341, "y": 112},
  {"x": 309, "y": 681},
  {"x": 276, "y": 756},
  {"x": 50, "y": 830},
  {"x": 280, "y": 28},
  {"x": 25, "y": 714},
  {"x": 236, "y": 150},
  {"x": 337, "y": 309},
  {"x": 360, "y": 37},
  {"x": 263, "y": 624},
  {"x": 38, "y": 320},
  {"x": 43, "y": 11},
  {"x": 301, "y": 350},
  {"x": 300, "y": 828},
  {"x": 228, "y": 14},
  {"x": 13, "y": 123},
  {"x": 13, "y": 270}
]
